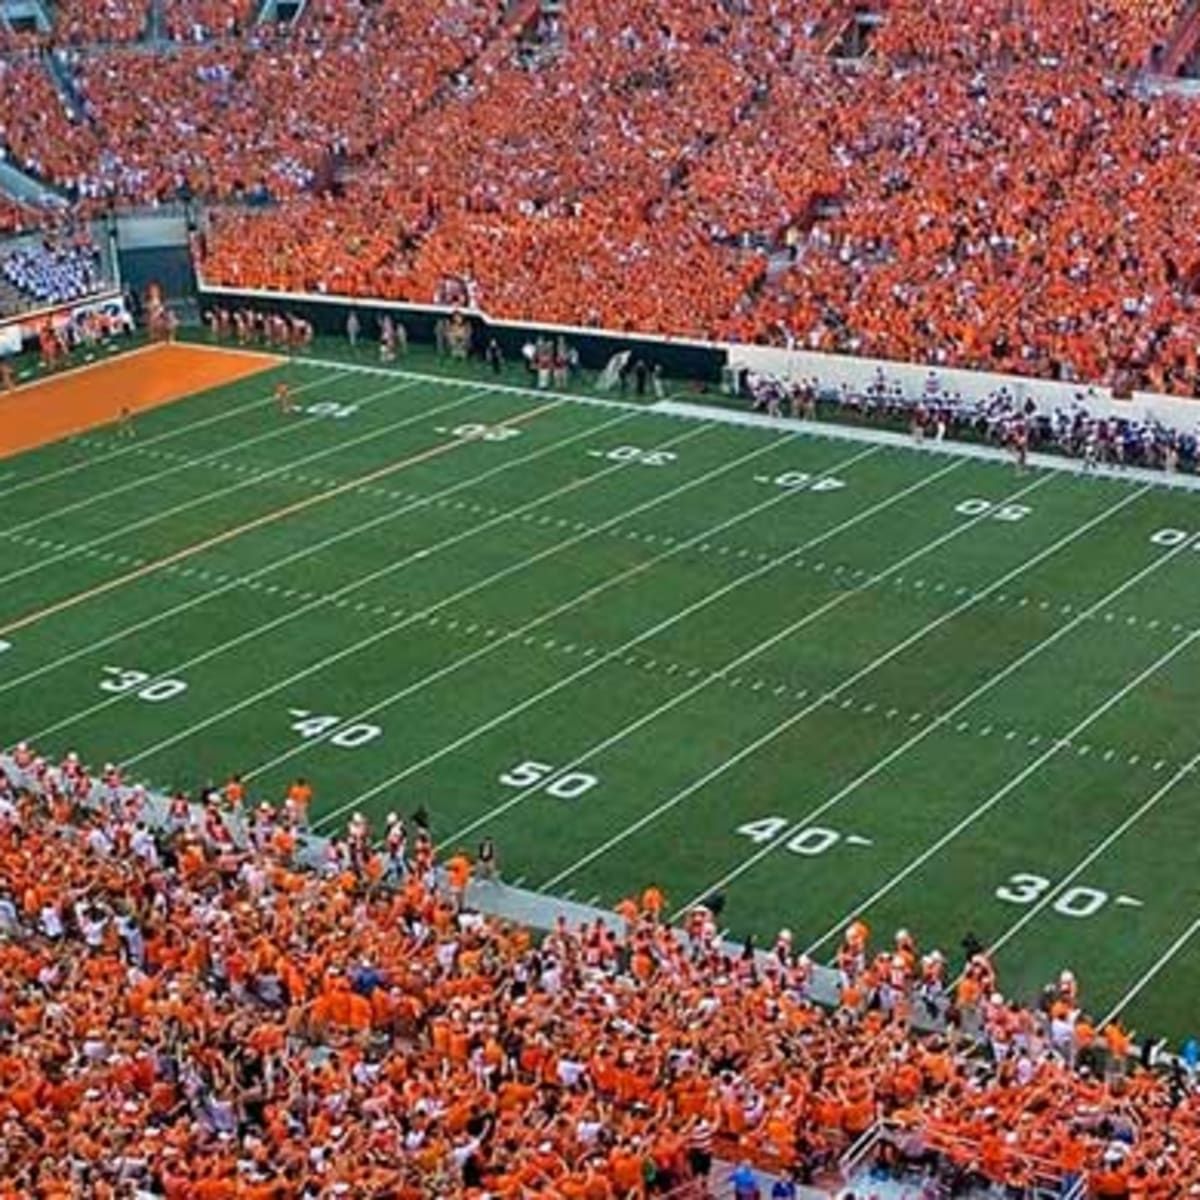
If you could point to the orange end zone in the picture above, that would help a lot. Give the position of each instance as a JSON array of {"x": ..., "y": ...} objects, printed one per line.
[{"x": 86, "y": 397}]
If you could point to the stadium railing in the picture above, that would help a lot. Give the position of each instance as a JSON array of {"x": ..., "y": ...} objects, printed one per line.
[{"x": 1044, "y": 1179}]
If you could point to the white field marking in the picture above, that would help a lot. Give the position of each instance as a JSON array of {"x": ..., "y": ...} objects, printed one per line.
[
  {"x": 140, "y": 480},
  {"x": 1003, "y": 791},
  {"x": 202, "y": 423},
  {"x": 250, "y": 579},
  {"x": 1144, "y": 980},
  {"x": 942, "y": 719},
  {"x": 594, "y": 662},
  {"x": 832, "y": 694},
  {"x": 511, "y": 800},
  {"x": 424, "y": 615},
  {"x": 330, "y": 598},
  {"x": 217, "y": 493},
  {"x": 1100, "y": 848},
  {"x": 521, "y": 631},
  {"x": 819, "y": 430}
]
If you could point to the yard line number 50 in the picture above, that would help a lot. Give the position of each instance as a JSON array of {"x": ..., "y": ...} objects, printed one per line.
[{"x": 530, "y": 773}]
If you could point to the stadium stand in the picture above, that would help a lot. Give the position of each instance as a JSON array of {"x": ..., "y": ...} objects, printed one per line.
[
  {"x": 87, "y": 22},
  {"x": 202, "y": 20},
  {"x": 893, "y": 189},
  {"x": 35, "y": 124},
  {"x": 54, "y": 270},
  {"x": 708, "y": 173},
  {"x": 1107, "y": 34},
  {"x": 15, "y": 217},
  {"x": 197, "y": 1015}
]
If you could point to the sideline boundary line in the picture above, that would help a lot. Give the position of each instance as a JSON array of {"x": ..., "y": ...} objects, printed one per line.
[
  {"x": 166, "y": 435},
  {"x": 259, "y": 522},
  {"x": 814, "y": 429}
]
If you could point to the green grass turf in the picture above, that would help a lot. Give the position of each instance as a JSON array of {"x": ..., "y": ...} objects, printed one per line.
[{"x": 853, "y": 698}]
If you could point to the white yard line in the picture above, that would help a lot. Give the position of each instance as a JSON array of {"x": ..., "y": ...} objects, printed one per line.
[
  {"x": 1026, "y": 772},
  {"x": 637, "y": 639},
  {"x": 1150, "y": 975},
  {"x": 1099, "y": 849},
  {"x": 190, "y": 427},
  {"x": 421, "y": 615},
  {"x": 141, "y": 480},
  {"x": 307, "y": 551},
  {"x": 789, "y": 722},
  {"x": 332, "y": 598},
  {"x": 218, "y": 493},
  {"x": 943, "y": 718}
]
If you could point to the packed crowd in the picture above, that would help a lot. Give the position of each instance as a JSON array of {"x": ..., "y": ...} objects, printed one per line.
[
  {"x": 1011, "y": 217},
  {"x": 54, "y": 269},
  {"x": 200, "y": 20},
  {"x": 989, "y": 187},
  {"x": 1108, "y": 34},
  {"x": 87, "y": 22},
  {"x": 15, "y": 216},
  {"x": 188, "y": 1013}
]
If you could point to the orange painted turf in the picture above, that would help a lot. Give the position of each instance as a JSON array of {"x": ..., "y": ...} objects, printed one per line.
[{"x": 88, "y": 397}]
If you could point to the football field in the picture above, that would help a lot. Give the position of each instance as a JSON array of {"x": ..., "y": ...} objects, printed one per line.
[{"x": 827, "y": 678}]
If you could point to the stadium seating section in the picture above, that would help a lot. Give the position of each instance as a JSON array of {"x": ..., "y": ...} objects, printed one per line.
[
  {"x": 988, "y": 186},
  {"x": 53, "y": 270},
  {"x": 200, "y": 1016}
]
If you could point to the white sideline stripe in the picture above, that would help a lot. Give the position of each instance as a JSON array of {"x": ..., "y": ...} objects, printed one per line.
[
  {"x": 305, "y": 552},
  {"x": 565, "y": 606},
  {"x": 513, "y": 799},
  {"x": 820, "y": 430},
  {"x": 413, "y": 618},
  {"x": 832, "y": 694},
  {"x": 596, "y": 663},
  {"x": 221, "y": 493},
  {"x": 190, "y": 427},
  {"x": 316, "y": 602},
  {"x": 1143, "y": 982},
  {"x": 1098, "y": 850},
  {"x": 949, "y": 714},
  {"x": 981, "y": 452},
  {"x": 140, "y": 480},
  {"x": 997, "y": 796}
]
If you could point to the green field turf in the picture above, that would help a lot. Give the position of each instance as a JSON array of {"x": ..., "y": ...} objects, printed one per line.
[{"x": 826, "y": 677}]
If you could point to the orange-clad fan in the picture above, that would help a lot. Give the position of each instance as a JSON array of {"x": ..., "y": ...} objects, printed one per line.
[{"x": 185, "y": 1018}]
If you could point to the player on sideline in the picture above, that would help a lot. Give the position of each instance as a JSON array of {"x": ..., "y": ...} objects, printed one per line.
[
  {"x": 283, "y": 397},
  {"x": 125, "y": 425},
  {"x": 1020, "y": 445}
]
